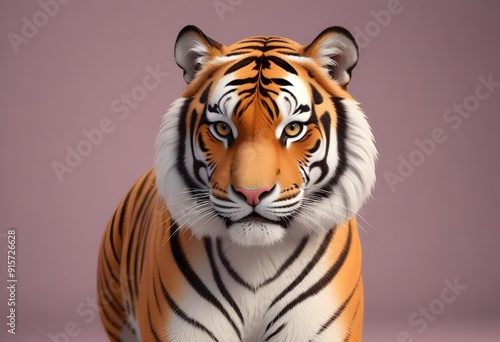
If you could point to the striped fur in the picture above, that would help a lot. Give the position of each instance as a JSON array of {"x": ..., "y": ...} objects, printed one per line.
[{"x": 245, "y": 229}]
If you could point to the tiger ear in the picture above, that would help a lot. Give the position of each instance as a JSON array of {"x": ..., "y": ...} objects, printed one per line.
[
  {"x": 192, "y": 50},
  {"x": 335, "y": 50}
]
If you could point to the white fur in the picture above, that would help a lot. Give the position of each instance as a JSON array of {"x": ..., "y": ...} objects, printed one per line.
[
  {"x": 190, "y": 53},
  {"x": 354, "y": 185},
  {"x": 182, "y": 206},
  {"x": 339, "y": 51},
  {"x": 255, "y": 265}
]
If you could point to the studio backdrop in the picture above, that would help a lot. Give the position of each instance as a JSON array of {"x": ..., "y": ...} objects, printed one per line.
[{"x": 84, "y": 85}]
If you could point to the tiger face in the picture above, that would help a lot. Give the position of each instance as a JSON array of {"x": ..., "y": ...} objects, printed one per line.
[{"x": 265, "y": 144}]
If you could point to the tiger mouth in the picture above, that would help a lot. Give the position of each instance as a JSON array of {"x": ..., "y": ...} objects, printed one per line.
[{"x": 254, "y": 217}]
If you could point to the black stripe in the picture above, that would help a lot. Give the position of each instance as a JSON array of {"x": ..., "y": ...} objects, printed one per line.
[
  {"x": 236, "y": 109},
  {"x": 245, "y": 107},
  {"x": 109, "y": 320},
  {"x": 248, "y": 80},
  {"x": 262, "y": 48},
  {"x": 218, "y": 280},
  {"x": 240, "y": 64},
  {"x": 315, "y": 147},
  {"x": 197, "y": 165},
  {"x": 276, "y": 332},
  {"x": 323, "y": 163},
  {"x": 193, "y": 279},
  {"x": 291, "y": 94},
  {"x": 275, "y": 47},
  {"x": 282, "y": 64},
  {"x": 338, "y": 312},
  {"x": 288, "y": 53},
  {"x": 112, "y": 335},
  {"x": 178, "y": 311},
  {"x": 230, "y": 269},
  {"x": 103, "y": 307},
  {"x": 153, "y": 331},
  {"x": 270, "y": 40},
  {"x": 141, "y": 213},
  {"x": 204, "y": 95},
  {"x": 158, "y": 306},
  {"x": 320, "y": 284},
  {"x": 112, "y": 239},
  {"x": 317, "y": 98},
  {"x": 341, "y": 138},
  {"x": 264, "y": 91},
  {"x": 238, "y": 53},
  {"x": 348, "y": 336},
  {"x": 310, "y": 265},
  {"x": 281, "y": 82},
  {"x": 109, "y": 302},
  {"x": 301, "y": 109},
  {"x": 181, "y": 147},
  {"x": 342, "y": 127},
  {"x": 108, "y": 265},
  {"x": 145, "y": 227},
  {"x": 253, "y": 40},
  {"x": 122, "y": 215},
  {"x": 129, "y": 265},
  {"x": 134, "y": 230},
  {"x": 288, "y": 261},
  {"x": 268, "y": 109},
  {"x": 249, "y": 91}
]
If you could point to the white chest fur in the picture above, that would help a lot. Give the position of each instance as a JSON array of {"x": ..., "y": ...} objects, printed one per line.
[{"x": 257, "y": 294}]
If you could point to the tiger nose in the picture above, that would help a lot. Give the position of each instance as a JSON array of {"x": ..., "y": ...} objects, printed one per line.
[{"x": 253, "y": 195}]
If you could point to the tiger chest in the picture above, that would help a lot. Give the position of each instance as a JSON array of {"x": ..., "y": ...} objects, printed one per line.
[{"x": 252, "y": 295}]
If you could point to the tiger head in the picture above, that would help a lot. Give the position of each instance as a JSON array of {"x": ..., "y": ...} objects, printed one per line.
[{"x": 265, "y": 143}]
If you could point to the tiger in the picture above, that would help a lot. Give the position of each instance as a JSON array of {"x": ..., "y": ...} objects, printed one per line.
[{"x": 245, "y": 227}]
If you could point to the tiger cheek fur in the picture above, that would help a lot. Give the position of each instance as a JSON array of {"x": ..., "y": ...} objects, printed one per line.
[{"x": 245, "y": 228}]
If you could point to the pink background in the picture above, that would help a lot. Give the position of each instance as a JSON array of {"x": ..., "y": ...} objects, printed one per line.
[{"x": 439, "y": 224}]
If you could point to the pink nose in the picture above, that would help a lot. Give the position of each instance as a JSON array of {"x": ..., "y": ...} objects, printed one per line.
[{"x": 253, "y": 195}]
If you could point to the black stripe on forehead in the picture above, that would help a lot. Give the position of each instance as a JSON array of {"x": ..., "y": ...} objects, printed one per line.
[
  {"x": 282, "y": 64},
  {"x": 264, "y": 44},
  {"x": 204, "y": 95},
  {"x": 240, "y": 64},
  {"x": 259, "y": 84},
  {"x": 317, "y": 98},
  {"x": 264, "y": 48}
]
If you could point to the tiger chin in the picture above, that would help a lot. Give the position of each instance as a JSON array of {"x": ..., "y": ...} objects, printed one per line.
[{"x": 245, "y": 229}]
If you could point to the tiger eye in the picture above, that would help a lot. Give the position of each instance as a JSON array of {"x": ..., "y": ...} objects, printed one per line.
[
  {"x": 293, "y": 129},
  {"x": 222, "y": 129}
]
